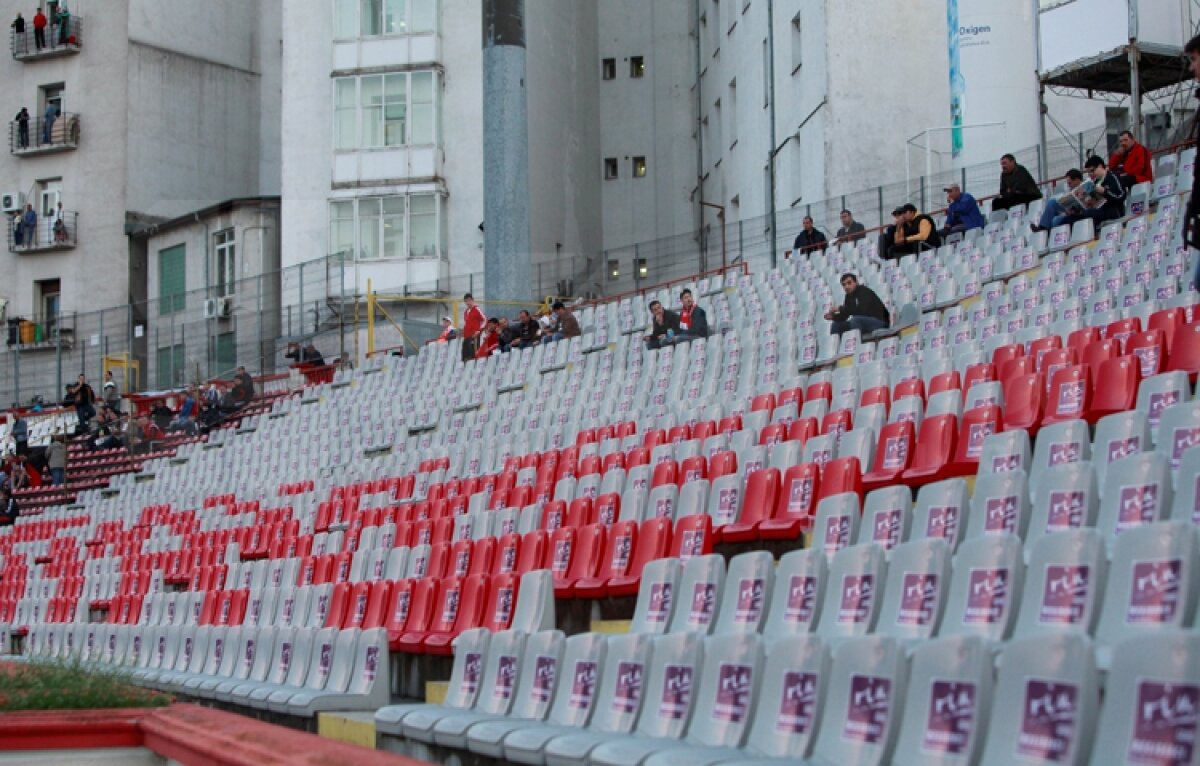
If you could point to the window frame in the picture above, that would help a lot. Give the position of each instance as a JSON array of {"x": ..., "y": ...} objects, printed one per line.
[
  {"x": 428, "y": 221},
  {"x": 175, "y": 301},
  {"x": 373, "y": 116},
  {"x": 415, "y": 14},
  {"x": 225, "y": 262}
]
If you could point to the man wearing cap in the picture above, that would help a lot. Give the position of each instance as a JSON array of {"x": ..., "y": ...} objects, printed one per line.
[
  {"x": 448, "y": 332},
  {"x": 962, "y": 214},
  {"x": 887, "y": 239}
]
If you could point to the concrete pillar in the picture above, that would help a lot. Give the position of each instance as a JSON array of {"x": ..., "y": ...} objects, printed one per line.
[{"x": 507, "y": 272}]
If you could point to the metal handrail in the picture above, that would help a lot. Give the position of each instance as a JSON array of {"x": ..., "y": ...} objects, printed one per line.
[
  {"x": 40, "y": 133},
  {"x": 56, "y": 39},
  {"x": 46, "y": 233}
]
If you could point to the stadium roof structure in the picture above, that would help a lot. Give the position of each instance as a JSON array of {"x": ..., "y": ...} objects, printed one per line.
[{"x": 1109, "y": 75}]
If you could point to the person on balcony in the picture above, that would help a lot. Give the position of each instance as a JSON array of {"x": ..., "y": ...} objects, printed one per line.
[
  {"x": 29, "y": 226},
  {"x": 22, "y": 120},
  {"x": 39, "y": 29},
  {"x": 18, "y": 28},
  {"x": 48, "y": 120}
]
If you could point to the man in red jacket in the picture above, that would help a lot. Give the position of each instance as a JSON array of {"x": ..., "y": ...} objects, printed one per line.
[
  {"x": 39, "y": 29},
  {"x": 473, "y": 324},
  {"x": 489, "y": 341},
  {"x": 1131, "y": 161}
]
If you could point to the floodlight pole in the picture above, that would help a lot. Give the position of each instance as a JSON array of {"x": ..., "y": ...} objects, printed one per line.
[{"x": 1135, "y": 78}]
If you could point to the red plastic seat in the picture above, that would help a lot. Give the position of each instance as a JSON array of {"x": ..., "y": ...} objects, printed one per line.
[
  {"x": 559, "y": 555},
  {"x": 469, "y": 614},
  {"x": 635, "y": 457},
  {"x": 910, "y": 387},
  {"x": 984, "y": 372},
  {"x": 822, "y": 390},
  {"x": 653, "y": 438},
  {"x": 580, "y": 512},
  {"x": 763, "y": 402},
  {"x": 533, "y": 551},
  {"x": 1099, "y": 352},
  {"x": 876, "y": 395},
  {"x": 586, "y": 559},
  {"x": 439, "y": 561},
  {"x": 1070, "y": 394},
  {"x": 1041, "y": 346},
  {"x": 340, "y": 567},
  {"x": 1121, "y": 329},
  {"x": 401, "y": 605},
  {"x": 664, "y": 473},
  {"x": 692, "y": 468},
  {"x": 762, "y": 495},
  {"x": 378, "y": 598},
  {"x": 589, "y": 465},
  {"x": 693, "y": 536},
  {"x": 837, "y": 423},
  {"x": 680, "y": 433},
  {"x": 436, "y": 616},
  {"x": 1116, "y": 387},
  {"x": 585, "y": 436},
  {"x": 791, "y": 396},
  {"x": 554, "y": 516},
  {"x": 946, "y": 381},
  {"x": 1005, "y": 353},
  {"x": 460, "y": 558},
  {"x": 625, "y": 429},
  {"x": 613, "y": 460},
  {"x": 607, "y": 508},
  {"x": 508, "y": 550},
  {"x": 1055, "y": 360},
  {"x": 1150, "y": 348},
  {"x": 1185, "y": 350},
  {"x": 356, "y": 608},
  {"x": 653, "y": 541},
  {"x": 1014, "y": 368},
  {"x": 934, "y": 451},
  {"x": 722, "y": 464},
  {"x": 803, "y": 429},
  {"x": 614, "y": 560},
  {"x": 893, "y": 455},
  {"x": 1082, "y": 338},
  {"x": 729, "y": 424},
  {"x": 704, "y": 429},
  {"x": 1169, "y": 321},
  {"x": 1024, "y": 397},
  {"x": 795, "y": 504},
  {"x": 841, "y": 475},
  {"x": 772, "y": 434},
  {"x": 977, "y": 424},
  {"x": 336, "y": 616},
  {"x": 500, "y": 602}
]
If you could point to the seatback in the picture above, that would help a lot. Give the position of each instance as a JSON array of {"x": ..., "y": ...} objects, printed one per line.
[
  {"x": 1179, "y": 430},
  {"x": 699, "y": 594},
  {"x": 729, "y": 683},
  {"x": 582, "y": 662},
  {"x": 796, "y": 598},
  {"x": 620, "y": 695},
  {"x": 320, "y": 664},
  {"x": 1153, "y": 582},
  {"x": 534, "y": 610},
  {"x": 656, "y": 596},
  {"x": 999, "y": 505},
  {"x": 1187, "y": 488},
  {"x": 1118, "y": 435},
  {"x": 540, "y": 663},
  {"x": 1137, "y": 490},
  {"x": 1003, "y": 452},
  {"x": 837, "y": 523},
  {"x": 1044, "y": 705},
  {"x": 886, "y": 517},
  {"x": 1149, "y": 722},
  {"x": 505, "y": 655},
  {"x": 293, "y": 663},
  {"x": 918, "y": 576},
  {"x": 862, "y": 702},
  {"x": 725, "y": 499},
  {"x": 662, "y": 501},
  {"x": 749, "y": 583},
  {"x": 1066, "y": 498},
  {"x": 941, "y": 511},
  {"x": 674, "y": 669},
  {"x": 988, "y": 577},
  {"x": 947, "y": 702},
  {"x": 258, "y": 652},
  {"x": 852, "y": 598},
  {"x": 466, "y": 674},
  {"x": 790, "y": 699},
  {"x": 1063, "y": 584}
]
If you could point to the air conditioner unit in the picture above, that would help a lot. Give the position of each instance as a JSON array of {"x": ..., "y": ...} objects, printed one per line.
[
  {"x": 10, "y": 202},
  {"x": 224, "y": 307},
  {"x": 218, "y": 308}
]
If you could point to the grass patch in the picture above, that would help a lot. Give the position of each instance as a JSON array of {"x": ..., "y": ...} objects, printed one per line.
[{"x": 69, "y": 686}]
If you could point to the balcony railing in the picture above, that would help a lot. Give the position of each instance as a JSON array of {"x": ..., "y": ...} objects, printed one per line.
[
  {"x": 42, "y": 136},
  {"x": 41, "y": 332},
  {"x": 58, "y": 40},
  {"x": 47, "y": 235}
]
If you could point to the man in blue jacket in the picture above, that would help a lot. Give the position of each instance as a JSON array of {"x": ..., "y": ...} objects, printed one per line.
[{"x": 963, "y": 213}]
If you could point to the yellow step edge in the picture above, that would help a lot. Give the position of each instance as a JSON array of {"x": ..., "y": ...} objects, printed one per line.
[
  {"x": 435, "y": 691},
  {"x": 351, "y": 728},
  {"x": 612, "y": 627}
]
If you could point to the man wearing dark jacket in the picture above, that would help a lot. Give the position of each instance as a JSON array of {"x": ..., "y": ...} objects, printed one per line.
[
  {"x": 1017, "y": 186},
  {"x": 665, "y": 325},
  {"x": 693, "y": 322},
  {"x": 521, "y": 333},
  {"x": 1106, "y": 184},
  {"x": 916, "y": 233},
  {"x": 810, "y": 239},
  {"x": 862, "y": 310}
]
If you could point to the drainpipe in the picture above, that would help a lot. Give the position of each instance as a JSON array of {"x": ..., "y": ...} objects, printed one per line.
[{"x": 699, "y": 142}]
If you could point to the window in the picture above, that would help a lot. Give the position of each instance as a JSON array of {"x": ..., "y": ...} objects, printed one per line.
[
  {"x": 639, "y": 167},
  {"x": 226, "y": 250},
  {"x": 171, "y": 366},
  {"x": 614, "y": 269},
  {"x": 797, "y": 43},
  {"x": 642, "y": 269},
  {"x": 384, "y": 110},
  {"x": 733, "y": 114},
  {"x": 172, "y": 279},
  {"x": 49, "y": 194},
  {"x": 371, "y": 18},
  {"x": 224, "y": 354},
  {"x": 388, "y": 227},
  {"x": 608, "y": 69},
  {"x": 637, "y": 67},
  {"x": 610, "y": 168},
  {"x": 49, "y": 299}
]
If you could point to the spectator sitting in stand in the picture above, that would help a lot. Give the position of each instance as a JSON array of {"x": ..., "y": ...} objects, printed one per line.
[
  {"x": 851, "y": 230},
  {"x": 664, "y": 325},
  {"x": 489, "y": 340},
  {"x": 523, "y": 332},
  {"x": 56, "y": 460},
  {"x": 916, "y": 234},
  {"x": 1077, "y": 197},
  {"x": 1108, "y": 189},
  {"x": 85, "y": 400},
  {"x": 1131, "y": 161},
  {"x": 161, "y": 416},
  {"x": 963, "y": 213},
  {"x": 693, "y": 322},
  {"x": 566, "y": 325},
  {"x": 105, "y": 430},
  {"x": 152, "y": 431},
  {"x": 18, "y": 477},
  {"x": 243, "y": 387},
  {"x": 448, "y": 332},
  {"x": 308, "y": 354},
  {"x": 862, "y": 309},
  {"x": 810, "y": 239},
  {"x": 887, "y": 238},
  {"x": 1017, "y": 186}
]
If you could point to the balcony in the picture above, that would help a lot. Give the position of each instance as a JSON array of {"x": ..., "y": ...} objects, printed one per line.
[
  {"x": 46, "y": 236},
  {"x": 41, "y": 333},
  {"x": 58, "y": 42},
  {"x": 41, "y": 136}
]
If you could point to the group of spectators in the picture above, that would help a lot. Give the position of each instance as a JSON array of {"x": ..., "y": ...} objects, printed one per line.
[
  {"x": 483, "y": 336},
  {"x": 58, "y": 20},
  {"x": 669, "y": 327}
]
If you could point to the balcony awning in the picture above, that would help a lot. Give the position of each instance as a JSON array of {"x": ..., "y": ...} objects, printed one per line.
[{"x": 1159, "y": 66}]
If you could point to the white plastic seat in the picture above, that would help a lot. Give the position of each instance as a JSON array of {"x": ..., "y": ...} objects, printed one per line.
[
  {"x": 796, "y": 599},
  {"x": 1118, "y": 435},
  {"x": 1137, "y": 490},
  {"x": 725, "y": 499},
  {"x": 886, "y": 517},
  {"x": 701, "y": 583},
  {"x": 854, "y": 592},
  {"x": 470, "y": 647},
  {"x": 912, "y": 600},
  {"x": 1063, "y": 584},
  {"x": 836, "y": 524},
  {"x": 941, "y": 511},
  {"x": 982, "y": 601},
  {"x": 749, "y": 583},
  {"x": 1158, "y": 392},
  {"x": 999, "y": 505},
  {"x": 1059, "y": 444},
  {"x": 656, "y": 596},
  {"x": 321, "y": 664},
  {"x": 1003, "y": 452}
]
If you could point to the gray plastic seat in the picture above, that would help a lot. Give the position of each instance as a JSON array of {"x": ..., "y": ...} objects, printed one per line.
[
  {"x": 1159, "y": 675},
  {"x": 854, "y": 592},
  {"x": 675, "y": 674},
  {"x": 470, "y": 647},
  {"x": 1067, "y": 498},
  {"x": 860, "y": 443},
  {"x": 918, "y": 576},
  {"x": 749, "y": 582},
  {"x": 1152, "y": 584},
  {"x": 618, "y": 699},
  {"x": 948, "y": 699},
  {"x": 1044, "y": 706},
  {"x": 797, "y": 596},
  {"x": 1158, "y": 392},
  {"x": 291, "y": 669},
  {"x": 656, "y": 596},
  {"x": 1059, "y": 444},
  {"x": 575, "y": 687},
  {"x": 701, "y": 581},
  {"x": 328, "y": 647},
  {"x": 836, "y": 523},
  {"x": 662, "y": 501},
  {"x": 1063, "y": 584},
  {"x": 539, "y": 662},
  {"x": 1003, "y": 452},
  {"x": 358, "y": 680},
  {"x": 1179, "y": 430},
  {"x": 989, "y": 573},
  {"x": 1187, "y": 488},
  {"x": 725, "y": 499},
  {"x": 1118, "y": 435},
  {"x": 999, "y": 505},
  {"x": 886, "y": 517},
  {"x": 1137, "y": 491},
  {"x": 693, "y": 498},
  {"x": 941, "y": 511}
]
